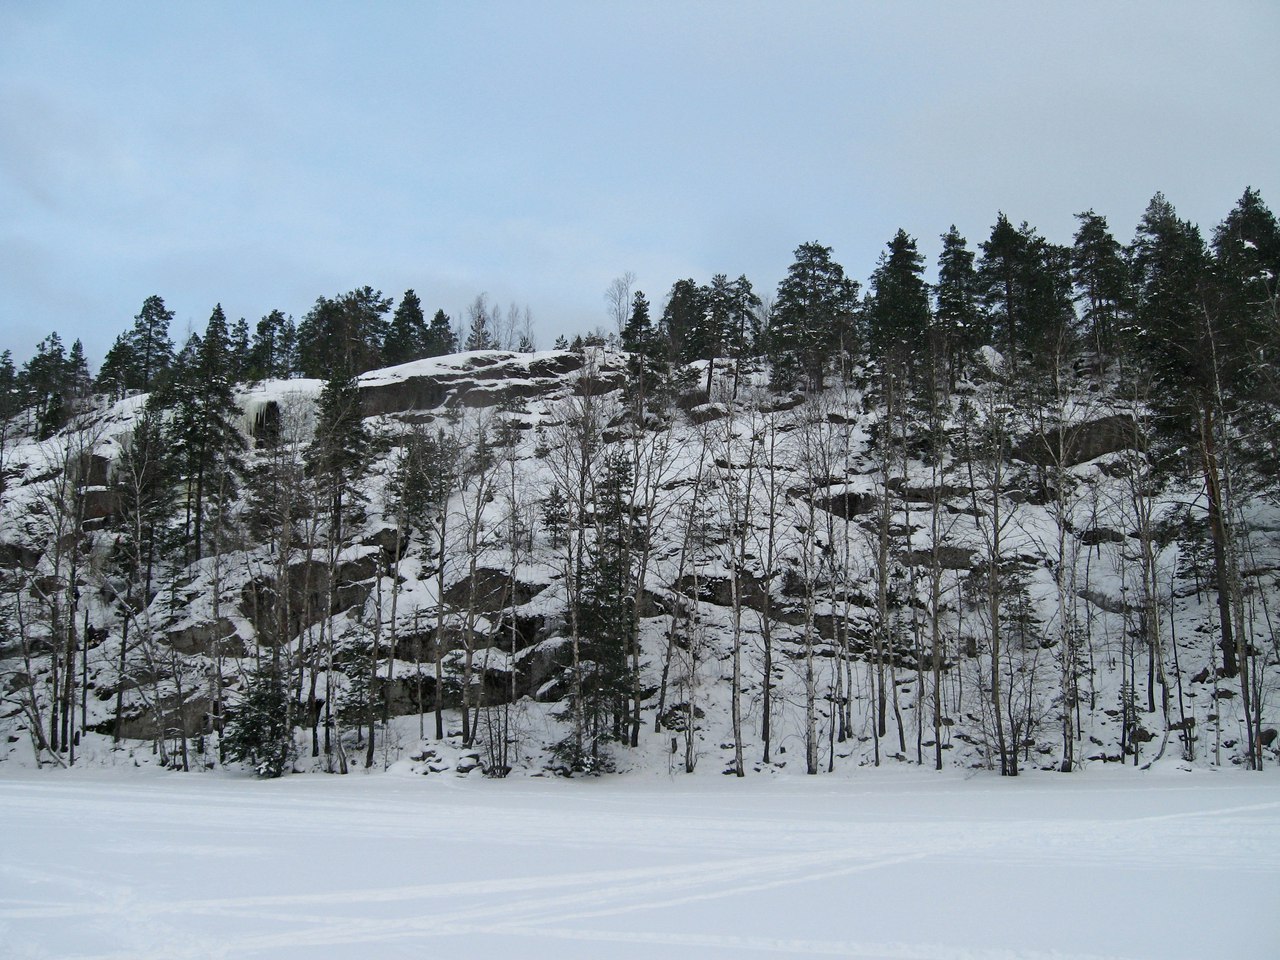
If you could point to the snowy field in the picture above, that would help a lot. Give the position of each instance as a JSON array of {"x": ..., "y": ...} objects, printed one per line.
[{"x": 886, "y": 864}]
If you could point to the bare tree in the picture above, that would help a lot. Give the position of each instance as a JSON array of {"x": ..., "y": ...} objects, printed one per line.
[{"x": 617, "y": 298}]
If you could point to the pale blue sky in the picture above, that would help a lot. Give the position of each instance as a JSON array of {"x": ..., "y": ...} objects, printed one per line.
[{"x": 263, "y": 154}]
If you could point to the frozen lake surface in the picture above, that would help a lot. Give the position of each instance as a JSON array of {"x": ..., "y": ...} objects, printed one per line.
[{"x": 894, "y": 864}]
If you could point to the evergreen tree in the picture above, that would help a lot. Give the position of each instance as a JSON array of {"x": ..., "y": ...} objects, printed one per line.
[
  {"x": 440, "y": 340},
  {"x": 1101, "y": 278},
  {"x": 959, "y": 327},
  {"x": 480, "y": 329},
  {"x": 267, "y": 357},
  {"x": 338, "y": 452},
  {"x": 10, "y": 402},
  {"x": 260, "y": 732},
  {"x": 205, "y": 442},
  {"x": 45, "y": 384},
  {"x": 898, "y": 309},
  {"x": 814, "y": 318},
  {"x": 646, "y": 355},
  {"x": 1050, "y": 338},
  {"x": 118, "y": 368},
  {"x": 1000, "y": 275},
  {"x": 143, "y": 483},
  {"x": 1246, "y": 270},
  {"x": 710, "y": 335},
  {"x": 1179, "y": 340},
  {"x": 1026, "y": 285},
  {"x": 743, "y": 328},
  {"x": 637, "y": 331},
  {"x": 239, "y": 352},
  {"x": 407, "y": 336},
  {"x": 152, "y": 348},
  {"x": 683, "y": 321},
  {"x": 725, "y": 326},
  {"x": 606, "y": 625},
  {"x": 346, "y": 332},
  {"x": 79, "y": 383}
]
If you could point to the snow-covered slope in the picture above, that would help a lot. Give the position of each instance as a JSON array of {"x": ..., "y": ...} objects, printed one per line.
[{"x": 858, "y": 622}]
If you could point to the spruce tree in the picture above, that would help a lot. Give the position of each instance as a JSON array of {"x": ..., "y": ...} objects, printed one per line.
[
  {"x": 260, "y": 732},
  {"x": 266, "y": 352},
  {"x": 440, "y": 340},
  {"x": 1246, "y": 284},
  {"x": 1000, "y": 275},
  {"x": 898, "y": 309},
  {"x": 606, "y": 626},
  {"x": 407, "y": 335},
  {"x": 9, "y": 399},
  {"x": 239, "y": 352},
  {"x": 481, "y": 334}
]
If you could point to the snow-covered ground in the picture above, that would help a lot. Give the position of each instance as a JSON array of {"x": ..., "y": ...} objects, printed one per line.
[{"x": 894, "y": 864}]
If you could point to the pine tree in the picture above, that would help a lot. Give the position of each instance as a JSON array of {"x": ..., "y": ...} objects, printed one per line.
[
  {"x": 407, "y": 336},
  {"x": 725, "y": 326},
  {"x": 441, "y": 340},
  {"x": 45, "y": 384},
  {"x": 959, "y": 327},
  {"x": 743, "y": 322},
  {"x": 682, "y": 327},
  {"x": 79, "y": 383},
  {"x": 205, "y": 441},
  {"x": 1026, "y": 285},
  {"x": 9, "y": 398},
  {"x": 1101, "y": 278},
  {"x": 143, "y": 485},
  {"x": 268, "y": 358},
  {"x": 152, "y": 348},
  {"x": 118, "y": 368},
  {"x": 814, "y": 318},
  {"x": 1246, "y": 283},
  {"x": 606, "y": 627},
  {"x": 1000, "y": 275},
  {"x": 346, "y": 331},
  {"x": 1178, "y": 339},
  {"x": 338, "y": 453},
  {"x": 238, "y": 352}
]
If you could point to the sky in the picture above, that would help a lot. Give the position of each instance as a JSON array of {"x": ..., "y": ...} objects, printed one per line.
[{"x": 263, "y": 155}]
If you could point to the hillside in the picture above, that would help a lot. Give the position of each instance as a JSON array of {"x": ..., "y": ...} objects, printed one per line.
[{"x": 529, "y": 571}]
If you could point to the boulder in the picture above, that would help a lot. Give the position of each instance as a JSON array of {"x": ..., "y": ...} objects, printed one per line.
[
  {"x": 210, "y": 638},
  {"x": 493, "y": 589},
  {"x": 949, "y": 558},
  {"x": 1080, "y": 442}
]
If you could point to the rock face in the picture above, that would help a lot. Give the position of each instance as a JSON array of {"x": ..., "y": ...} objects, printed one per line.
[
  {"x": 485, "y": 378},
  {"x": 309, "y": 595},
  {"x": 1081, "y": 442},
  {"x": 494, "y": 590}
]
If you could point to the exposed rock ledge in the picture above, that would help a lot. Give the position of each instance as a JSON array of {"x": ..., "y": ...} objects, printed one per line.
[{"x": 485, "y": 378}]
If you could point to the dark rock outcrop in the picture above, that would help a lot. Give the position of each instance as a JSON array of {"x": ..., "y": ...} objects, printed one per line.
[{"x": 1080, "y": 442}]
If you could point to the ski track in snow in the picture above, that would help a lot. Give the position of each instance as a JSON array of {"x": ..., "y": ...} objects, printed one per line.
[{"x": 118, "y": 856}]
